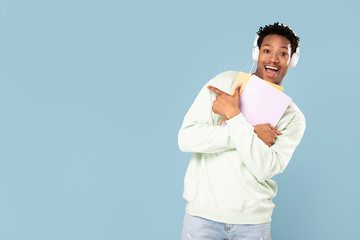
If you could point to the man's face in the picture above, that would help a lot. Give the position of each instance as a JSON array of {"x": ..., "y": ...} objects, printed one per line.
[{"x": 274, "y": 58}]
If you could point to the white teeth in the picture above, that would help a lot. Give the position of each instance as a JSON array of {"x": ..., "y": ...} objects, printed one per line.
[{"x": 273, "y": 68}]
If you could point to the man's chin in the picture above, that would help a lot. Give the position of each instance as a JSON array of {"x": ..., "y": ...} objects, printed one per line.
[{"x": 266, "y": 78}]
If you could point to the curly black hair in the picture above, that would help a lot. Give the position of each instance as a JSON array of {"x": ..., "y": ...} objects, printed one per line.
[{"x": 281, "y": 30}]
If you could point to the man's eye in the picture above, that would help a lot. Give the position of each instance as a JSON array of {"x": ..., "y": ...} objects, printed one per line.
[
  {"x": 284, "y": 54},
  {"x": 266, "y": 51}
]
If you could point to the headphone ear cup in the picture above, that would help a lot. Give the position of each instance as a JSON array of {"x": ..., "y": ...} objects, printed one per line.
[
  {"x": 294, "y": 58},
  {"x": 255, "y": 54}
]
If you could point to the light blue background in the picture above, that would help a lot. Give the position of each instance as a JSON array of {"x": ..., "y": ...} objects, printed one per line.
[{"x": 92, "y": 94}]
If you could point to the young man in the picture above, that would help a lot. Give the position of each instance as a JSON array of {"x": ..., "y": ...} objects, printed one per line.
[{"x": 228, "y": 183}]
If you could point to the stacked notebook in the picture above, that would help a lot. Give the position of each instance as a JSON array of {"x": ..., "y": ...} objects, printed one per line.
[{"x": 261, "y": 101}]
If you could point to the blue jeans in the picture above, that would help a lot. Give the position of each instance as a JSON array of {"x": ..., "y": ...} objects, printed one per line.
[{"x": 197, "y": 228}]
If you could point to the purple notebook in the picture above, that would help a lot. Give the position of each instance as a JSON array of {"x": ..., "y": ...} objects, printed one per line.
[{"x": 262, "y": 103}]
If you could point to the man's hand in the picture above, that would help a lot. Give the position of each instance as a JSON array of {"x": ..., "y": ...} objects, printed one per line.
[
  {"x": 225, "y": 104},
  {"x": 267, "y": 133}
]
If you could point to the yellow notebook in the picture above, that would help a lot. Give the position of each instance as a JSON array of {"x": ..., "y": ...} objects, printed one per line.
[{"x": 244, "y": 78}]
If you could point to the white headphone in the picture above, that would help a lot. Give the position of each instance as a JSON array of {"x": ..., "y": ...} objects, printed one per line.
[{"x": 293, "y": 61}]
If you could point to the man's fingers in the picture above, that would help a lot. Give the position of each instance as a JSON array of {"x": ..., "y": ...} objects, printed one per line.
[
  {"x": 215, "y": 90},
  {"x": 278, "y": 132},
  {"x": 237, "y": 90},
  {"x": 274, "y": 129}
]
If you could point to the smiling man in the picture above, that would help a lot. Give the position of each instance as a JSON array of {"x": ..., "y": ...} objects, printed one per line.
[
  {"x": 228, "y": 184},
  {"x": 275, "y": 55}
]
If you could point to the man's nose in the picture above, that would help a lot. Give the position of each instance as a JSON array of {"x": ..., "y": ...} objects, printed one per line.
[{"x": 274, "y": 57}]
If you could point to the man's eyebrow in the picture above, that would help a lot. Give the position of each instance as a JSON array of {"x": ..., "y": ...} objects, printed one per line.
[
  {"x": 284, "y": 47},
  {"x": 269, "y": 45}
]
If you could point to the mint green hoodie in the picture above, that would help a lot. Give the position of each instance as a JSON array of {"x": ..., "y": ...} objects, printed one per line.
[{"x": 229, "y": 175}]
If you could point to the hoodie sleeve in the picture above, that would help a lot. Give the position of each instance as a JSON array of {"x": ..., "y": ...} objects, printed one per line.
[
  {"x": 262, "y": 161},
  {"x": 200, "y": 131}
]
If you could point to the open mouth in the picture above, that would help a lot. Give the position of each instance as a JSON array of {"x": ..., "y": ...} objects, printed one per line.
[{"x": 271, "y": 70}]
